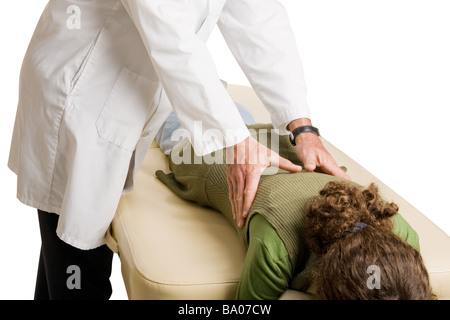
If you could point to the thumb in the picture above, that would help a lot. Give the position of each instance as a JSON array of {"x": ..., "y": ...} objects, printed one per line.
[
  {"x": 283, "y": 163},
  {"x": 310, "y": 163}
]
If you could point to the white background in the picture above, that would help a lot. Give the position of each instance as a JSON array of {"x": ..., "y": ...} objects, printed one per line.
[{"x": 378, "y": 75}]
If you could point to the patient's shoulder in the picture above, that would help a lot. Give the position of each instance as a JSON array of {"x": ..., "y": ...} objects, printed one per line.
[{"x": 403, "y": 229}]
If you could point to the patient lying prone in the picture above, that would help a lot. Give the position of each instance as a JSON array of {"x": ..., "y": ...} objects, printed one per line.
[{"x": 309, "y": 231}]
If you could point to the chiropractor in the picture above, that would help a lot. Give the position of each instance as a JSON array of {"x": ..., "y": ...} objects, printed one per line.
[{"x": 98, "y": 80}]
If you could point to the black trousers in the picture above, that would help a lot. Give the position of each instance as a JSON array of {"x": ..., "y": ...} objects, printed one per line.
[{"x": 68, "y": 273}]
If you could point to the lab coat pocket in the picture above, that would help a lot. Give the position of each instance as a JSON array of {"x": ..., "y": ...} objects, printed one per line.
[
  {"x": 74, "y": 84},
  {"x": 126, "y": 110}
]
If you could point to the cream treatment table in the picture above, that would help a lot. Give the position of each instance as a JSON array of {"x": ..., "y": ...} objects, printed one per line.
[{"x": 173, "y": 249}]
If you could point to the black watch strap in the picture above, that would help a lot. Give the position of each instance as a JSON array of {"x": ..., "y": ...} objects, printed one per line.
[{"x": 302, "y": 129}]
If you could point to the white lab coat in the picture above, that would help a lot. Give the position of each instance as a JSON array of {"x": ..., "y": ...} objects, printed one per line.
[{"x": 100, "y": 77}]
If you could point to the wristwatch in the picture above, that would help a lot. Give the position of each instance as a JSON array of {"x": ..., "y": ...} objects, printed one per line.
[{"x": 302, "y": 129}]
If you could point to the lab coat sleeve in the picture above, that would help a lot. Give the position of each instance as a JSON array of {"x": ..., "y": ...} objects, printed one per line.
[
  {"x": 187, "y": 73},
  {"x": 259, "y": 35}
]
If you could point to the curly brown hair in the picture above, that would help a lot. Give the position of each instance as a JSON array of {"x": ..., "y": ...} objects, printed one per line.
[{"x": 345, "y": 257}]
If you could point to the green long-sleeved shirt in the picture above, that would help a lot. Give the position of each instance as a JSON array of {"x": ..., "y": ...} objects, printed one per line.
[{"x": 274, "y": 230}]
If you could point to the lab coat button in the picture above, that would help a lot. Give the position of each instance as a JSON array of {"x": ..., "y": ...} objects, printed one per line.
[{"x": 145, "y": 134}]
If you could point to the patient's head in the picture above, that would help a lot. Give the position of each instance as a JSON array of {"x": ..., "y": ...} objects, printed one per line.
[{"x": 360, "y": 256}]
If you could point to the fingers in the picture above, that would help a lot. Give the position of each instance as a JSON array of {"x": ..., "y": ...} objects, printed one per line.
[
  {"x": 315, "y": 157},
  {"x": 325, "y": 163},
  {"x": 233, "y": 191},
  {"x": 283, "y": 163},
  {"x": 243, "y": 183},
  {"x": 243, "y": 175},
  {"x": 250, "y": 189},
  {"x": 333, "y": 169}
]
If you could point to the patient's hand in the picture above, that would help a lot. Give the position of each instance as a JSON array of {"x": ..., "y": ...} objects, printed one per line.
[{"x": 245, "y": 163}]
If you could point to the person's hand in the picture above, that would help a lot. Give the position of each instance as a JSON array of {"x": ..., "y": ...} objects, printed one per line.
[
  {"x": 313, "y": 154},
  {"x": 245, "y": 164}
]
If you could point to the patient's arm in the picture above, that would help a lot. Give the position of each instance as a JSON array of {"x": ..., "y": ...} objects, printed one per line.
[{"x": 267, "y": 270}]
